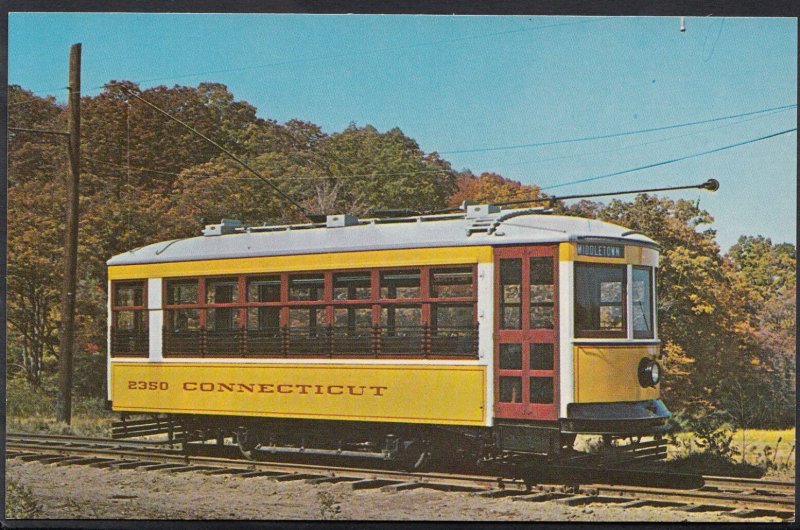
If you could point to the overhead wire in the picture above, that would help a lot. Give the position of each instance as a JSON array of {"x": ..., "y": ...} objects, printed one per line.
[
  {"x": 714, "y": 45},
  {"x": 277, "y": 190},
  {"x": 615, "y": 135},
  {"x": 642, "y": 144},
  {"x": 360, "y": 52},
  {"x": 671, "y": 161},
  {"x": 363, "y": 175},
  {"x": 655, "y": 164},
  {"x": 375, "y": 50}
]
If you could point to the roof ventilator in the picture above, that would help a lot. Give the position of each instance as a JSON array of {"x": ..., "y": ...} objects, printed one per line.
[
  {"x": 500, "y": 219},
  {"x": 477, "y": 211},
  {"x": 340, "y": 220},
  {"x": 482, "y": 216},
  {"x": 226, "y": 226}
]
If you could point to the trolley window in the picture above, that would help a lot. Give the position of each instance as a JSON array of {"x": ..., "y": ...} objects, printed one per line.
[
  {"x": 542, "y": 288},
  {"x": 182, "y": 292},
  {"x": 600, "y": 300},
  {"x": 304, "y": 287},
  {"x": 400, "y": 284},
  {"x": 220, "y": 291},
  {"x": 642, "y": 303},
  {"x": 129, "y": 326},
  {"x": 452, "y": 283},
  {"x": 264, "y": 289},
  {"x": 352, "y": 286},
  {"x": 510, "y": 293}
]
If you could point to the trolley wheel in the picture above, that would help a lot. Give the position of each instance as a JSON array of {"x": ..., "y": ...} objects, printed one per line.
[
  {"x": 568, "y": 440},
  {"x": 247, "y": 443},
  {"x": 416, "y": 457}
]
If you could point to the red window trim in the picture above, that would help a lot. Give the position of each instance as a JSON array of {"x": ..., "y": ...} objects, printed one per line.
[
  {"x": 115, "y": 309},
  {"x": 116, "y": 283},
  {"x": 376, "y": 302}
]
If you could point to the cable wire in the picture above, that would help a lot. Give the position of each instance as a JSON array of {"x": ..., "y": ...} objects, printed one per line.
[
  {"x": 614, "y": 135},
  {"x": 277, "y": 190},
  {"x": 374, "y": 50},
  {"x": 671, "y": 161},
  {"x": 172, "y": 174},
  {"x": 642, "y": 144}
]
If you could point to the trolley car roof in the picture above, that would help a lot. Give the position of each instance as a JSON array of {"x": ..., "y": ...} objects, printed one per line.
[{"x": 504, "y": 227}]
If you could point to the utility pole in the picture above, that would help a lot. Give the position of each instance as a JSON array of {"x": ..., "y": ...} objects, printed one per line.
[{"x": 64, "y": 402}]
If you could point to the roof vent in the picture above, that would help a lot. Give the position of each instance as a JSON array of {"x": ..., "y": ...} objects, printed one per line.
[
  {"x": 476, "y": 211},
  {"x": 339, "y": 220},
  {"x": 226, "y": 226}
]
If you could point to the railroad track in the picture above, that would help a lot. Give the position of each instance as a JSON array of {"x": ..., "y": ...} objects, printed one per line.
[{"x": 739, "y": 497}]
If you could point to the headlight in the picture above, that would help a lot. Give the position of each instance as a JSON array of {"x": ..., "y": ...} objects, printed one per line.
[
  {"x": 649, "y": 372},
  {"x": 655, "y": 373}
]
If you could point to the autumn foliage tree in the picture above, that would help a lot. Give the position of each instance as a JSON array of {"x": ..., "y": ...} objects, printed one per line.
[
  {"x": 37, "y": 168},
  {"x": 490, "y": 187},
  {"x": 712, "y": 346},
  {"x": 145, "y": 178}
]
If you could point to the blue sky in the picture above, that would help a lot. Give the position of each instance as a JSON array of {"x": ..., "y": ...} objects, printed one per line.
[{"x": 475, "y": 82}]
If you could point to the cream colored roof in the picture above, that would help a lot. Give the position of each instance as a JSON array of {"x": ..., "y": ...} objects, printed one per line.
[{"x": 507, "y": 227}]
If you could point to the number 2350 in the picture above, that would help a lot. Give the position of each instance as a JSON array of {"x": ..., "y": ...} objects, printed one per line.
[{"x": 148, "y": 385}]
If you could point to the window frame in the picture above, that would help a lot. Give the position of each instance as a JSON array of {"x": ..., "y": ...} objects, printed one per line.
[
  {"x": 115, "y": 309},
  {"x": 329, "y": 304},
  {"x": 599, "y": 333},
  {"x": 652, "y": 277}
]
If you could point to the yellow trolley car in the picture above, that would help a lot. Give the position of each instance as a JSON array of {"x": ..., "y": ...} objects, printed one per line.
[{"x": 485, "y": 332}]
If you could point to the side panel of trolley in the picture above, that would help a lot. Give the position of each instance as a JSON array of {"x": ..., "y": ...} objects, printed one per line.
[{"x": 449, "y": 391}]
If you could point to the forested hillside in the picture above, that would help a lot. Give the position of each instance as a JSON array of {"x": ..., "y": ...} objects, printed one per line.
[{"x": 727, "y": 321}]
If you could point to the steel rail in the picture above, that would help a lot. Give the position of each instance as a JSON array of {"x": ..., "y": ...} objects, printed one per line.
[{"x": 754, "y": 494}]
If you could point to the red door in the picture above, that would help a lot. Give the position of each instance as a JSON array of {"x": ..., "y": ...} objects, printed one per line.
[{"x": 526, "y": 332}]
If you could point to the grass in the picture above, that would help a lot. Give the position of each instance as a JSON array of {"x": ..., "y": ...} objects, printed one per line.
[
  {"x": 756, "y": 440},
  {"x": 32, "y": 410},
  {"x": 81, "y": 425},
  {"x": 768, "y": 452}
]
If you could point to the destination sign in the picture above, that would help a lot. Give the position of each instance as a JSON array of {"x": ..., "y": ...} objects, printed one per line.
[{"x": 601, "y": 251}]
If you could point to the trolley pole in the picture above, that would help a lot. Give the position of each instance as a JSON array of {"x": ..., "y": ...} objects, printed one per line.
[{"x": 64, "y": 402}]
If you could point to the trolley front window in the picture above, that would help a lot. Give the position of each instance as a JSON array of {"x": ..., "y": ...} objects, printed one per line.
[
  {"x": 642, "y": 303},
  {"x": 600, "y": 300}
]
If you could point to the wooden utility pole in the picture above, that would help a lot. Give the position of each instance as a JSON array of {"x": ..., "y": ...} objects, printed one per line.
[{"x": 64, "y": 402}]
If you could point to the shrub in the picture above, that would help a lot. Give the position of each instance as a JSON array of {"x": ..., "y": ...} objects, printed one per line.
[
  {"x": 328, "y": 506},
  {"x": 20, "y": 502},
  {"x": 23, "y": 399},
  {"x": 713, "y": 433}
]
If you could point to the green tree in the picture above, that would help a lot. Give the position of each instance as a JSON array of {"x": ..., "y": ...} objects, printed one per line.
[
  {"x": 764, "y": 269},
  {"x": 364, "y": 169}
]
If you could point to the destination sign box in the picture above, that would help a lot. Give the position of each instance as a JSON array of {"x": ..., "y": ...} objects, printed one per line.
[{"x": 601, "y": 251}]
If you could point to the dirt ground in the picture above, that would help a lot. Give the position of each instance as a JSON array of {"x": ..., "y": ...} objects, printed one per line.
[{"x": 80, "y": 492}]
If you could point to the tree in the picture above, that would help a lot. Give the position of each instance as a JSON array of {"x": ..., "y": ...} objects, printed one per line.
[
  {"x": 490, "y": 187},
  {"x": 373, "y": 170},
  {"x": 37, "y": 168},
  {"x": 764, "y": 269},
  {"x": 705, "y": 336},
  {"x": 146, "y": 178}
]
